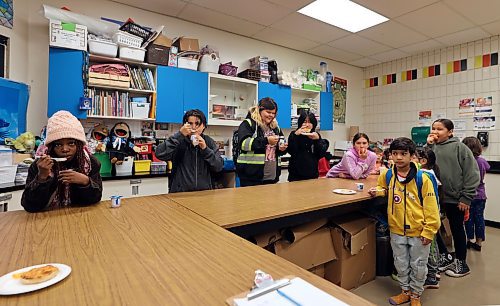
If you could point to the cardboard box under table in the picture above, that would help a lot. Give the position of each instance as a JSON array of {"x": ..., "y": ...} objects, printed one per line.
[{"x": 354, "y": 240}]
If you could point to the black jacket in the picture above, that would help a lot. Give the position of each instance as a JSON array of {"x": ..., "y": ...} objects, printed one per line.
[
  {"x": 255, "y": 172},
  {"x": 192, "y": 167},
  {"x": 305, "y": 154},
  {"x": 37, "y": 194}
]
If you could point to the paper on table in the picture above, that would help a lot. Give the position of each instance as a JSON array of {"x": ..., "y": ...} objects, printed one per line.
[{"x": 300, "y": 291}]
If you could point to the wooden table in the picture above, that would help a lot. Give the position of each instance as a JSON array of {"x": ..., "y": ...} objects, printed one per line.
[
  {"x": 238, "y": 209},
  {"x": 150, "y": 251}
]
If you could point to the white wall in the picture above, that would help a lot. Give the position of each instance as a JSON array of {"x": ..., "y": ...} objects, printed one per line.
[
  {"x": 391, "y": 110},
  {"x": 29, "y": 53}
]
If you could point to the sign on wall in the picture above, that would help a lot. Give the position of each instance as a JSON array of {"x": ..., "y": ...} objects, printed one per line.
[{"x": 339, "y": 88}]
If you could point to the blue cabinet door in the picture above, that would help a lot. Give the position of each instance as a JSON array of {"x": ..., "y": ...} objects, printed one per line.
[
  {"x": 65, "y": 86},
  {"x": 169, "y": 98},
  {"x": 195, "y": 87},
  {"x": 282, "y": 95},
  {"x": 326, "y": 111}
]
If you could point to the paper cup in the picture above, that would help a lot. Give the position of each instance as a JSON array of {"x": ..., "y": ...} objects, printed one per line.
[{"x": 360, "y": 186}]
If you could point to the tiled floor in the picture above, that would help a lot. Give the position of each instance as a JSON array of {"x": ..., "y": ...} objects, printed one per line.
[{"x": 481, "y": 287}]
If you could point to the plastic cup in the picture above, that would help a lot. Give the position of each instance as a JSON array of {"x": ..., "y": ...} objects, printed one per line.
[{"x": 360, "y": 186}]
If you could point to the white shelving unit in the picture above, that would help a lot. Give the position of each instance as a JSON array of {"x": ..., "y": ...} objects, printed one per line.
[
  {"x": 298, "y": 96},
  {"x": 229, "y": 99}
]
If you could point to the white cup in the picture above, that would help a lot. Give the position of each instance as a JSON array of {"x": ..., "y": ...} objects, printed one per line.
[
  {"x": 116, "y": 201},
  {"x": 360, "y": 186},
  {"x": 194, "y": 140}
]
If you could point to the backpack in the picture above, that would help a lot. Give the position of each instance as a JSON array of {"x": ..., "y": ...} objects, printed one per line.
[
  {"x": 236, "y": 143},
  {"x": 419, "y": 181}
]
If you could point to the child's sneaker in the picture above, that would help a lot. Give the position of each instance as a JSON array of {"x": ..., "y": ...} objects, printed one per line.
[
  {"x": 459, "y": 269},
  {"x": 431, "y": 284},
  {"x": 403, "y": 297},
  {"x": 445, "y": 262},
  {"x": 438, "y": 276},
  {"x": 415, "y": 300}
]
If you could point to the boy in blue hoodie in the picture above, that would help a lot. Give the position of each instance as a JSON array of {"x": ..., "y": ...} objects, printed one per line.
[{"x": 413, "y": 216}]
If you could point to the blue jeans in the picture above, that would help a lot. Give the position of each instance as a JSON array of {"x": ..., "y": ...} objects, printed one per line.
[{"x": 476, "y": 220}]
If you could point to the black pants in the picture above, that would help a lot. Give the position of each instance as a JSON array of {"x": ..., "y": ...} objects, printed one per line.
[
  {"x": 245, "y": 183},
  {"x": 441, "y": 245},
  {"x": 456, "y": 218}
]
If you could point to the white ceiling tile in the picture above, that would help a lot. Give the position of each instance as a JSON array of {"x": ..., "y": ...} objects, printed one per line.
[
  {"x": 390, "y": 55},
  {"x": 293, "y": 4},
  {"x": 479, "y": 12},
  {"x": 364, "y": 62},
  {"x": 463, "y": 36},
  {"x": 435, "y": 20},
  {"x": 284, "y": 39},
  {"x": 427, "y": 45},
  {"x": 166, "y": 7},
  {"x": 258, "y": 11},
  {"x": 359, "y": 44},
  {"x": 310, "y": 28},
  {"x": 334, "y": 53},
  {"x": 218, "y": 20},
  {"x": 394, "y": 8},
  {"x": 492, "y": 28},
  {"x": 393, "y": 34}
]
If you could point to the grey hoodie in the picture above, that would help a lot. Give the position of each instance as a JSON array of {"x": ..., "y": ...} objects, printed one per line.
[{"x": 459, "y": 171}]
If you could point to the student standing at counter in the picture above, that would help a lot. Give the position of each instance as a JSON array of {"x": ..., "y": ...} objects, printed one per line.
[
  {"x": 194, "y": 155},
  {"x": 259, "y": 140},
  {"x": 72, "y": 178},
  {"x": 358, "y": 162}
]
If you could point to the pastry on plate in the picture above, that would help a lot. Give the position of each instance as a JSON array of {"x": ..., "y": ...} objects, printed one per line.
[{"x": 37, "y": 275}]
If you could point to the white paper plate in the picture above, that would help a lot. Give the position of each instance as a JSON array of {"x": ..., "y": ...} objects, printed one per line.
[
  {"x": 344, "y": 191},
  {"x": 9, "y": 285},
  {"x": 307, "y": 134}
]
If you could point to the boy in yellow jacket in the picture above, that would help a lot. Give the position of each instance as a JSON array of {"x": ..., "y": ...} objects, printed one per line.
[{"x": 413, "y": 216}]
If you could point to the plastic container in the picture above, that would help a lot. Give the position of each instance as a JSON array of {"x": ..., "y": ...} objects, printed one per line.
[
  {"x": 102, "y": 47},
  {"x": 8, "y": 174},
  {"x": 158, "y": 167},
  {"x": 142, "y": 166},
  {"x": 126, "y": 39},
  {"x": 187, "y": 63},
  {"x": 103, "y": 158},
  {"x": 135, "y": 29},
  {"x": 126, "y": 167},
  {"x": 132, "y": 54},
  {"x": 5, "y": 156},
  {"x": 140, "y": 110},
  {"x": 384, "y": 259}
]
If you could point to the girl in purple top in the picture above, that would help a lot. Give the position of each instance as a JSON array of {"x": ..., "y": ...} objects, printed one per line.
[
  {"x": 357, "y": 162},
  {"x": 475, "y": 224}
]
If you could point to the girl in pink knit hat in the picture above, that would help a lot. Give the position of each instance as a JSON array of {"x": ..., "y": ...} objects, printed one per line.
[{"x": 65, "y": 174}]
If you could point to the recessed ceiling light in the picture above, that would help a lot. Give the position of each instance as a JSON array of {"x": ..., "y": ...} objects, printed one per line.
[{"x": 344, "y": 14}]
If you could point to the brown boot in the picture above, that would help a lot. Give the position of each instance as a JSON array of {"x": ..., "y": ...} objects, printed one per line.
[
  {"x": 415, "y": 300},
  {"x": 403, "y": 297}
]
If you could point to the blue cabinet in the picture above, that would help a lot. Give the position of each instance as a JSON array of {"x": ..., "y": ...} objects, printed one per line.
[
  {"x": 65, "y": 86},
  {"x": 179, "y": 90},
  {"x": 282, "y": 95},
  {"x": 326, "y": 111}
]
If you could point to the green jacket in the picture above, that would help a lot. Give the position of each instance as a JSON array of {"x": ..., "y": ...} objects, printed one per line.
[{"x": 459, "y": 171}]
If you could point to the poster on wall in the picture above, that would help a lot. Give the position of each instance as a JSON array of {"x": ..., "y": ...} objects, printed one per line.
[
  {"x": 484, "y": 106},
  {"x": 13, "y": 106},
  {"x": 460, "y": 125},
  {"x": 424, "y": 117},
  {"x": 466, "y": 107},
  {"x": 484, "y": 123},
  {"x": 339, "y": 88},
  {"x": 7, "y": 13}
]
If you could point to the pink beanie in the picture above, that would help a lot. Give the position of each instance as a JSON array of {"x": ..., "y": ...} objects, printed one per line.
[{"x": 64, "y": 125}]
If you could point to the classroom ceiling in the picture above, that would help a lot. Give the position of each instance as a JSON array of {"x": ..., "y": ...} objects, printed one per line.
[{"x": 415, "y": 25}]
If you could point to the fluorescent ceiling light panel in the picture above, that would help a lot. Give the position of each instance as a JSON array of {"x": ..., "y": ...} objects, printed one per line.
[{"x": 344, "y": 14}]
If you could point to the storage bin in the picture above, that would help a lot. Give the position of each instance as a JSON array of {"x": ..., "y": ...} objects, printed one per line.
[
  {"x": 127, "y": 40},
  {"x": 102, "y": 47},
  {"x": 132, "y": 54},
  {"x": 158, "y": 167},
  {"x": 209, "y": 63},
  {"x": 5, "y": 156},
  {"x": 8, "y": 174},
  {"x": 140, "y": 110},
  {"x": 142, "y": 166},
  {"x": 126, "y": 167},
  {"x": 157, "y": 54},
  {"x": 137, "y": 30},
  {"x": 103, "y": 158},
  {"x": 187, "y": 63},
  {"x": 228, "y": 69}
]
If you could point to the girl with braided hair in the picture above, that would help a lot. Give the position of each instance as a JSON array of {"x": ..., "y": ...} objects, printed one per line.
[{"x": 66, "y": 174}]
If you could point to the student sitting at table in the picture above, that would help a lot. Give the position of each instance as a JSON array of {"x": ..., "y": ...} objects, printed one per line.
[
  {"x": 358, "y": 162},
  {"x": 194, "y": 155},
  {"x": 66, "y": 174}
]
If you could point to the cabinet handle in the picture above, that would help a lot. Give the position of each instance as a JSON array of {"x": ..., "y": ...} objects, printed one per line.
[
  {"x": 136, "y": 181},
  {"x": 5, "y": 197}
]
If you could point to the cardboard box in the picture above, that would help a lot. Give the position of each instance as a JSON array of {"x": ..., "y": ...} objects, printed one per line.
[
  {"x": 310, "y": 251},
  {"x": 186, "y": 44},
  {"x": 318, "y": 270},
  {"x": 67, "y": 35},
  {"x": 19, "y": 157},
  {"x": 354, "y": 242}
]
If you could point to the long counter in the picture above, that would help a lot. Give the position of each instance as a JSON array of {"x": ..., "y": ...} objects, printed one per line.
[{"x": 150, "y": 251}]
